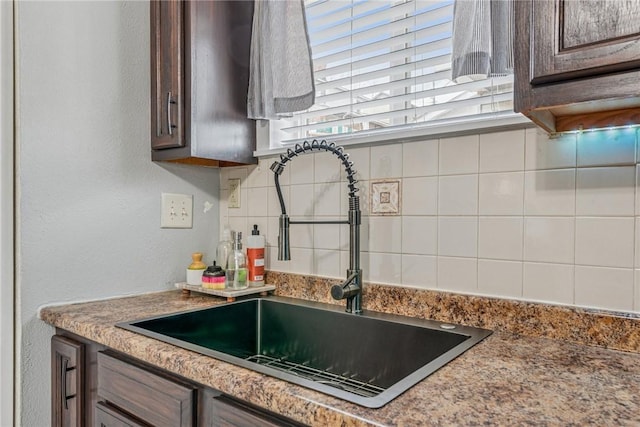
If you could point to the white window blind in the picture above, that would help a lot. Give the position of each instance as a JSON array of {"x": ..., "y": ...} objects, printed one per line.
[{"x": 383, "y": 65}]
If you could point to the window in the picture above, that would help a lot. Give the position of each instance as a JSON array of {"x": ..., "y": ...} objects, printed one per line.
[{"x": 383, "y": 67}]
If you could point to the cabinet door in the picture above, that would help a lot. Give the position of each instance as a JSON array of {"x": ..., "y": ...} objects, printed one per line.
[
  {"x": 107, "y": 416},
  {"x": 232, "y": 413},
  {"x": 574, "y": 39},
  {"x": 152, "y": 397},
  {"x": 167, "y": 78},
  {"x": 67, "y": 379}
]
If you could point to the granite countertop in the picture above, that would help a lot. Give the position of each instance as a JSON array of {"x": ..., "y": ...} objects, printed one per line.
[{"x": 507, "y": 379}]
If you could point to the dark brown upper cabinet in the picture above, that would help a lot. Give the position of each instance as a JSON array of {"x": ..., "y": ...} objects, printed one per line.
[
  {"x": 199, "y": 80},
  {"x": 577, "y": 63}
]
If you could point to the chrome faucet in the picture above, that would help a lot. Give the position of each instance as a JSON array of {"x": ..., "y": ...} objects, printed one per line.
[{"x": 351, "y": 288}]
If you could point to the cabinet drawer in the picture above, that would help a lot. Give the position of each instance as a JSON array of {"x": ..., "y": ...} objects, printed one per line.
[
  {"x": 231, "y": 413},
  {"x": 150, "y": 396},
  {"x": 107, "y": 416}
]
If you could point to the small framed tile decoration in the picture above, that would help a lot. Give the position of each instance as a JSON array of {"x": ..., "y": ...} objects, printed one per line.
[{"x": 385, "y": 197}]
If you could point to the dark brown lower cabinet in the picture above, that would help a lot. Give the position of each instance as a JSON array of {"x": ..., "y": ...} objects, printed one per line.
[
  {"x": 67, "y": 382},
  {"x": 152, "y": 397},
  {"x": 119, "y": 391},
  {"x": 232, "y": 413},
  {"x": 107, "y": 416}
]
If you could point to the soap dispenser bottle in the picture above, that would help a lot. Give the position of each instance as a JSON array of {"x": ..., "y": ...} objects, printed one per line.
[
  {"x": 255, "y": 257},
  {"x": 236, "y": 273}
]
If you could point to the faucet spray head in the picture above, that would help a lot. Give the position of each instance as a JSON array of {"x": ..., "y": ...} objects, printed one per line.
[{"x": 284, "y": 248}]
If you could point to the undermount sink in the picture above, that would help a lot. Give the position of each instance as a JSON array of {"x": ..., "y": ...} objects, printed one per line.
[{"x": 367, "y": 359}]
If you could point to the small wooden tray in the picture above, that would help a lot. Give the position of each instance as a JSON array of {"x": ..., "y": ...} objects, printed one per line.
[{"x": 229, "y": 294}]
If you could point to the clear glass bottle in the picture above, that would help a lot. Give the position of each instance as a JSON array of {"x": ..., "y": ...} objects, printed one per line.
[
  {"x": 236, "y": 272},
  {"x": 224, "y": 249}
]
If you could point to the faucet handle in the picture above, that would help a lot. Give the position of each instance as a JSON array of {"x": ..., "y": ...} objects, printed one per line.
[{"x": 339, "y": 292}]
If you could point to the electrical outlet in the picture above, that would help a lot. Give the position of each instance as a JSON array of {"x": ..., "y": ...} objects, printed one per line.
[
  {"x": 234, "y": 193},
  {"x": 177, "y": 211}
]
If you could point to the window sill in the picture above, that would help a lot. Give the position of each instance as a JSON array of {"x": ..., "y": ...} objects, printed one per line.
[{"x": 451, "y": 128}]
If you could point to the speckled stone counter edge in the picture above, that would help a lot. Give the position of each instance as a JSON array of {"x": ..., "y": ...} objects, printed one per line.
[
  {"x": 508, "y": 379},
  {"x": 619, "y": 331}
]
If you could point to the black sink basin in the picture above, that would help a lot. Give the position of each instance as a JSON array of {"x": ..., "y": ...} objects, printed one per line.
[{"x": 367, "y": 359}]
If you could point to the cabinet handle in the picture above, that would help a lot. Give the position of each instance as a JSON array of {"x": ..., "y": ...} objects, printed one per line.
[
  {"x": 170, "y": 126},
  {"x": 63, "y": 380}
]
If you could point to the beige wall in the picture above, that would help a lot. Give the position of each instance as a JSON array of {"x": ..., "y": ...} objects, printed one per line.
[
  {"x": 509, "y": 214},
  {"x": 6, "y": 214},
  {"x": 88, "y": 213}
]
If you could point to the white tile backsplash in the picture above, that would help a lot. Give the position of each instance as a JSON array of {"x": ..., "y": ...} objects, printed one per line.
[
  {"x": 542, "y": 152},
  {"x": 550, "y": 192},
  {"x": 385, "y": 268},
  {"x": 327, "y": 199},
  {"x": 458, "y": 195},
  {"x": 420, "y": 196},
  {"x": 458, "y": 274},
  {"x": 420, "y": 271},
  {"x": 326, "y": 167},
  {"x": 325, "y": 236},
  {"x": 260, "y": 175},
  {"x": 459, "y": 155},
  {"x": 608, "y": 288},
  {"x": 607, "y": 242},
  {"x": 302, "y": 261},
  {"x": 420, "y": 158},
  {"x": 637, "y": 210},
  {"x": 301, "y": 235},
  {"x": 302, "y": 201},
  {"x": 549, "y": 239},
  {"x": 458, "y": 236},
  {"x": 272, "y": 263},
  {"x": 501, "y": 193},
  {"x": 502, "y": 151},
  {"x": 606, "y": 147},
  {"x": 636, "y": 291},
  {"x": 327, "y": 263},
  {"x": 548, "y": 282},
  {"x": 385, "y": 234},
  {"x": 500, "y": 238},
  {"x": 360, "y": 157},
  {"x": 301, "y": 169},
  {"x": 386, "y": 161},
  {"x": 605, "y": 191},
  {"x": 258, "y": 205},
  {"x": 636, "y": 263},
  {"x": 512, "y": 214},
  {"x": 420, "y": 235},
  {"x": 500, "y": 278}
]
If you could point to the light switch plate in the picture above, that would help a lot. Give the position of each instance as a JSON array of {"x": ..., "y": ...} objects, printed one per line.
[{"x": 177, "y": 211}]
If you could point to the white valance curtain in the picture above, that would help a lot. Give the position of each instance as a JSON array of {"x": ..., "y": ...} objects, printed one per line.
[
  {"x": 281, "y": 70},
  {"x": 482, "y": 39}
]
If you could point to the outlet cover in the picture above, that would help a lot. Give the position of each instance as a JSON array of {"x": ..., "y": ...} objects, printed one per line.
[
  {"x": 234, "y": 193},
  {"x": 176, "y": 211}
]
